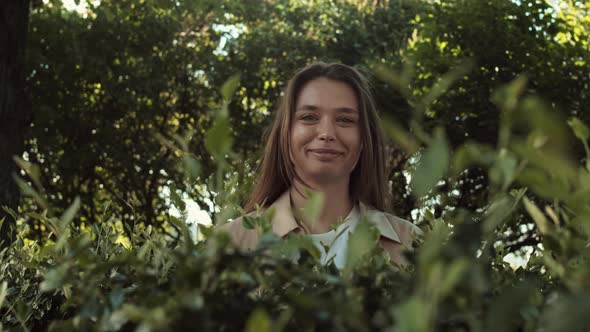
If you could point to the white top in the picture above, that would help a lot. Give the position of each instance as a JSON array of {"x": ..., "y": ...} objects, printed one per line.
[{"x": 333, "y": 245}]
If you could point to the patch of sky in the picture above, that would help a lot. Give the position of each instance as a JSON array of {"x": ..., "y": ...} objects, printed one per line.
[
  {"x": 228, "y": 32},
  {"x": 193, "y": 215},
  {"x": 80, "y": 6}
]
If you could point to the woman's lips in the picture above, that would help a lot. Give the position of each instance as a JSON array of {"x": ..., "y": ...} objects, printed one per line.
[{"x": 325, "y": 154}]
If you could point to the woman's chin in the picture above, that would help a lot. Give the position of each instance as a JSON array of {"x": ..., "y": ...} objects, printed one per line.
[{"x": 326, "y": 174}]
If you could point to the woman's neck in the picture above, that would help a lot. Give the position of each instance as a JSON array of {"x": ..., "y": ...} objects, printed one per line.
[{"x": 337, "y": 204}]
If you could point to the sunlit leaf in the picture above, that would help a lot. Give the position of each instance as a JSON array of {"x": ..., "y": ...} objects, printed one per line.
[
  {"x": 313, "y": 206},
  {"x": 360, "y": 242},
  {"x": 3, "y": 287},
  {"x": 177, "y": 199},
  {"x": 27, "y": 190},
  {"x": 69, "y": 214},
  {"x": 506, "y": 97},
  {"x": 401, "y": 136},
  {"x": 192, "y": 167},
  {"x": 453, "y": 275},
  {"x": 249, "y": 222},
  {"x": 471, "y": 154},
  {"x": 498, "y": 212},
  {"x": 30, "y": 169},
  {"x": 446, "y": 81},
  {"x": 259, "y": 321},
  {"x": 537, "y": 215},
  {"x": 412, "y": 316},
  {"x": 54, "y": 278},
  {"x": 397, "y": 81},
  {"x": 432, "y": 166},
  {"x": 229, "y": 87},
  {"x": 218, "y": 140},
  {"x": 580, "y": 129}
]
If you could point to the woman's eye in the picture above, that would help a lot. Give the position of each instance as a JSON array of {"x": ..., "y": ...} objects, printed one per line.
[
  {"x": 346, "y": 120},
  {"x": 308, "y": 117}
]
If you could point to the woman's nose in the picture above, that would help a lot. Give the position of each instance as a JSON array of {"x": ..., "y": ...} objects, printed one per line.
[{"x": 326, "y": 130}]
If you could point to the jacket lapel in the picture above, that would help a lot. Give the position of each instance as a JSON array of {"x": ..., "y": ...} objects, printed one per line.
[
  {"x": 283, "y": 221},
  {"x": 380, "y": 220}
]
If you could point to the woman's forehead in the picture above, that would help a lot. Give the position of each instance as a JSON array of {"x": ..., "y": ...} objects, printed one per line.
[{"x": 323, "y": 93}]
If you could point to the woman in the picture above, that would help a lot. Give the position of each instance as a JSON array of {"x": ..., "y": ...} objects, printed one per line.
[{"x": 325, "y": 138}]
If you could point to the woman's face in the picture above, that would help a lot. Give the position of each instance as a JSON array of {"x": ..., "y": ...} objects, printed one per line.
[{"x": 325, "y": 131}]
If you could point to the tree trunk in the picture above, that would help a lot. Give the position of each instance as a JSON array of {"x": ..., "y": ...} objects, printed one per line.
[{"x": 14, "y": 110}]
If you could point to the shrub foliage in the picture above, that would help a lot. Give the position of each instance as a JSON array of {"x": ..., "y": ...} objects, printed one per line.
[{"x": 98, "y": 278}]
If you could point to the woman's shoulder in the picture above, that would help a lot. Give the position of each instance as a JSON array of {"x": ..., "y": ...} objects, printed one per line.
[
  {"x": 241, "y": 236},
  {"x": 404, "y": 230},
  {"x": 403, "y": 225}
]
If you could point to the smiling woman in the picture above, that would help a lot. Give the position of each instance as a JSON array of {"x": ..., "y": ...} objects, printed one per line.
[{"x": 325, "y": 138}]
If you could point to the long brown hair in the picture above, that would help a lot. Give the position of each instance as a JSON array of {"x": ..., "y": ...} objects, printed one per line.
[{"x": 276, "y": 172}]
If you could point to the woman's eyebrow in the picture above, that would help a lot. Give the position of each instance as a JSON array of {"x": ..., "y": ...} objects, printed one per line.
[
  {"x": 307, "y": 108},
  {"x": 346, "y": 110},
  {"x": 338, "y": 109}
]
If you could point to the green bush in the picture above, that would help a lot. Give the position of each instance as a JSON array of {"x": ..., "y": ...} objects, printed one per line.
[{"x": 104, "y": 278}]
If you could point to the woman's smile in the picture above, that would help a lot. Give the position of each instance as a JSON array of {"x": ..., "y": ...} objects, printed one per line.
[{"x": 325, "y": 154}]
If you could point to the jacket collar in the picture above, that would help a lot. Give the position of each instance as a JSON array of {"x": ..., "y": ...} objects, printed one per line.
[
  {"x": 381, "y": 221},
  {"x": 283, "y": 221}
]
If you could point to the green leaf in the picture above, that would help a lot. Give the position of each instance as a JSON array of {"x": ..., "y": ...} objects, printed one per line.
[
  {"x": 229, "y": 87},
  {"x": 313, "y": 206},
  {"x": 27, "y": 190},
  {"x": 207, "y": 231},
  {"x": 470, "y": 154},
  {"x": 177, "y": 199},
  {"x": 3, "y": 287},
  {"x": 218, "y": 139},
  {"x": 402, "y": 137},
  {"x": 259, "y": 321},
  {"x": 54, "y": 278},
  {"x": 453, "y": 275},
  {"x": 184, "y": 231},
  {"x": 432, "y": 166},
  {"x": 507, "y": 96},
  {"x": 580, "y": 129},
  {"x": 361, "y": 241},
  {"x": 433, "y": 243},
  {"x": 31, "y": 169},
  {"x": 547, "y": 128},
  {"x": 192, "y": 167},
  {"x": 498, "y": 212},
  {"x": 502, "y": 171},
  {"x": 11, "y": 212},
  {"x": 70, "y": 213},
  {"x": 446, "y": 81},
  {"x": 397, "y": 81},
  {"x": 249, "y": 222},
  {"x": 306, "y": 243},
  {"x": 537, "y": 215},
  {"x": 413, "y": 315},
  {"x": 505, "y": 311}
]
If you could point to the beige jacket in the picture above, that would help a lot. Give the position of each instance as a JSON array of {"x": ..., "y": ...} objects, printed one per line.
[{"x": 396, "y": 234}]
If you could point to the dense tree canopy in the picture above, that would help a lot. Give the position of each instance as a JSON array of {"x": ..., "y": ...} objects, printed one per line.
[{"x": 107, "y": 85}]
